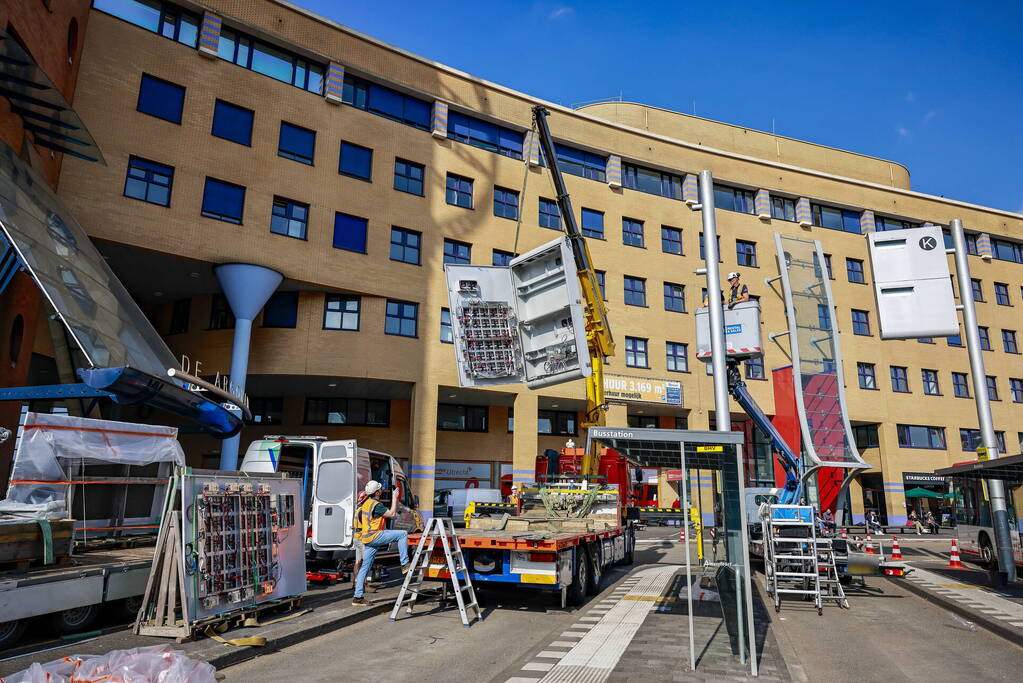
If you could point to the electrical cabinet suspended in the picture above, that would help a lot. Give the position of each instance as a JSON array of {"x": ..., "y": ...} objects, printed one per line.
[{"x": 520, "y": 323}]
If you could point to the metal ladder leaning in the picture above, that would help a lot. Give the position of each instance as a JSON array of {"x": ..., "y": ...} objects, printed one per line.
[
  {"x": 831, "y": 586},
  {"x": 441, "y": 528},
  {"x": 791, "y": 559}
]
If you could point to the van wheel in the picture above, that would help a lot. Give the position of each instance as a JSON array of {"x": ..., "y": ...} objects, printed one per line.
[
  {"x": 580, "y": 571},
  {"x": 987, "y": 554},
  {"x": 73, "y": 620},
  {"x": 593, "y": 553},
  {"x": 11, "y": 632}
]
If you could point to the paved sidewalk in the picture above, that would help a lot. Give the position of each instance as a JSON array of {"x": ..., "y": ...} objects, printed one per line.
[{"x": 989, "y": 608}]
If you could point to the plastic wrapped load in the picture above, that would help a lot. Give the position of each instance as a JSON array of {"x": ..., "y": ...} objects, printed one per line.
[{"x": 154, "y": 664}]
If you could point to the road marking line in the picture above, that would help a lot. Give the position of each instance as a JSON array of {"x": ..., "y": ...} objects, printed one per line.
[
  {"x": 562, "y": 643},
  {"x": 1016, "y": 623},
  {"x": 589, "y": 618},
  {"x": 583, "y": 625},
  {"x": 521, "y": 679},
  {"x": 550, "y": 654},
  {"x": 573, "y": 634},
  {"x": 538, "y": 666}
]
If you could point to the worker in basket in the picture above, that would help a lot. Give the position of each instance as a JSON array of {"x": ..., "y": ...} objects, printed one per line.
[
  {"x": 370, "y": 521},
  {"x": 737, "y": 292}
]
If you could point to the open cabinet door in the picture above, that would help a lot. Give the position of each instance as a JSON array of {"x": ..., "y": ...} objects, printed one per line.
[{"x": 334, "y": 490}]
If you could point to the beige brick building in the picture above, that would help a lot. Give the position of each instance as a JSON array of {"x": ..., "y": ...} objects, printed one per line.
[{"x": 360, "y": 234}]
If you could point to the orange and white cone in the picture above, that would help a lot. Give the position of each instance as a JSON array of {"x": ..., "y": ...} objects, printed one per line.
[
  {"x": 845, "y": 534},
  {"x": 869, "y": 550},
  {"x": 953, "y": 557},
  {"x": 682, "y": 534},
  {"x": 896, "y": 549}
]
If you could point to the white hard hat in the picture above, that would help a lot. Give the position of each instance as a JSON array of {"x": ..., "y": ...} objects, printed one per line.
[
  {"x": 732, "y": 274},
  {"x": 372, "y": 487}
]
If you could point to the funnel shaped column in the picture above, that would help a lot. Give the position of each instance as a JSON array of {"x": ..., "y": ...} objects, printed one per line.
[{"x": 247, "y": 288}]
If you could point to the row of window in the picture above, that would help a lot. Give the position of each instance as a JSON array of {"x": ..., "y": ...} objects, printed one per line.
[
  {"x": 933, "y": 438},
  {"x": 866, "y": 376}
]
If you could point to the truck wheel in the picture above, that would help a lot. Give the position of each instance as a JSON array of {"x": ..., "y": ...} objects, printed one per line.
[
  {"x": 10, "y": 632},
  {"x": 74, "y": 619},
  {"x": 594, "y": 555},
  {"x": 129, "y": 608},
  {"x": 580, "y": 571}
]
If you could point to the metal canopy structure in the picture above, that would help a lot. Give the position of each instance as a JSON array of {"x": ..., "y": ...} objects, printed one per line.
[
  {"x": 720, "y": 452},
  {"x": 1005, "y": 469},
  {"x": 121, "y": 355},
  {"x": 43, "y": 109}
]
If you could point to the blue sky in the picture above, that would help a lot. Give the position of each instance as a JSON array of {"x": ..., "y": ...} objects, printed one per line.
[{"x": 935, "y": 86}]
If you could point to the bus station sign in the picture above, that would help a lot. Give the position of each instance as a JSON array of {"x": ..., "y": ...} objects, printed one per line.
[{"x": 642, "y": 390}]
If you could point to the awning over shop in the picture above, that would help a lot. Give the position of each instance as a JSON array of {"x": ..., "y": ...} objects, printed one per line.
[
  {"x": 43, "y": 109},
  {"x": 1007, "y": 469},
  {"x": 923, "y": 493}
]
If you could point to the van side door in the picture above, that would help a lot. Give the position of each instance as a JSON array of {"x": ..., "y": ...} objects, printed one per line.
[{"x": 334, "y": 491}]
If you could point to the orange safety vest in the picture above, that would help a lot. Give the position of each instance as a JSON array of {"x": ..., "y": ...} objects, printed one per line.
[{"x": 369, "y": 528}]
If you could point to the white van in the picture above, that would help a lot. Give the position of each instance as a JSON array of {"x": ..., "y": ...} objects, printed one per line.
[
  {"x": 459, "y": 499},
  {"x": 332, "y": 473}
]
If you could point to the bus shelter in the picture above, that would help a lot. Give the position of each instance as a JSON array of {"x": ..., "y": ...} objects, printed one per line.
[{"x": 692, "y": 451}]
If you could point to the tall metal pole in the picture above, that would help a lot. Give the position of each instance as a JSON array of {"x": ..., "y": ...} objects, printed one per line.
[
  {"x": 995, "y": 487},
  {"x": 716, "y": 310}
]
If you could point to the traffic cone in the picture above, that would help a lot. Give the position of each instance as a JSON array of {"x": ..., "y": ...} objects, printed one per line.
[
  {"x": 896, "y": 550},
  {"x": 869, "y": 549},
  {"x": 682, "y": 534},
  {"x": 953, "y": 557},
  {"x": 845, "y": 534}
]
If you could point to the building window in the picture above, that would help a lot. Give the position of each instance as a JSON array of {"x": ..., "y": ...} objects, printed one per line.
[
  {"x": 446, "y": 334},
  {"x": 181, "y": 311},
  {"x": 269, "y": 60},
  {"x": 900, "y": 383},
  {"x": 221, "y": 317},
  {"x": 593, "y": 223},
  {"x": 632, "y": 233},
  {"x": 1002, "y": 294},
  {"x": 746, "y": 253},
  {"x": 985, "y": 338},
  {"x": 1016, "y": 389},
  {"x": 992, "y": 387},
  {"x": 960, "y": 385},
  {"x": 457, "y": 252},
  {"x": 485, "y": 135},
  {"x": 1007, "y": 251},
  {"x": 266, "y": 410},
  {"x": 401, "y": 318},
  {"x": 865, "y": 372},
  {"x": 356, "y": 412},
  {"x": 160, "y": 98},
  {"x": 296, "y": 143},
  {"x": 854, "y": 269},
  {"x": 550, "y": 215},
  {"x": 823, "y": 317},
  {"x": 733, "y": 199},
  {"x": 350, "y": 232},
  {"x": 1009, "y": 341},
  {"x": 223, "y": 201},
  {"x": 954, "y": 340},
  {"x": 671, "y": 240},
  {"x": 556, "y": 422},
  {"x": 506, "y": 203},
  {"x": 885, "y": 224},
  {"x": 580, "y": 163},
  {"x": 970, "y": 439},
  {"x": 783, "y": 208},
  {"x": 232, "y": 122},
  {"x": 971, "y": 244},
  {"x": 978, "y": 289},
  {"x": 502, "y": 258},
  {"x": 149, "y": 181},
  {"x": 703, "y": 256},
  {"x": 405, "y": 245},
  {"x": 355, "y": 161},
  {"x": 835, "y": 219},
  {"x": 459, "y": 191},
  {"x": 861, "y": 322},
  {"x": 652, "y": 182},
  {"x": 930, "y": 380},
  {"x": 635, "y": 352},
  {"x": 601, "y": 279},
  {"x": 817, "y": 266},
  {"x": 674, "y": 297},
  {"x": 159, "y": 17},
  {"x": 755, "y": 368},
  {"x": 635, "y": 291},
  {"x": 458, "y": 418},
  {"x": 921, "y": 436},
  {"x": 281, "y": 310},
  {"x": 289, "y": 218},
  {"x": 677, "y": 357},
  {"x": 341, "y": 312},
  {"x": 865, "y": 436},
  {"x": 408, "y": 176},
  {"x": 383, "y": 101}
]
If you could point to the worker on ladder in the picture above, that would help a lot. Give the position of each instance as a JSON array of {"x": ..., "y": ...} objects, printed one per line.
[{"x": 372, "y": 517}]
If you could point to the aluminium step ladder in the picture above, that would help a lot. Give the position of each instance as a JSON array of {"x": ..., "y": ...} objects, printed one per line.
[
  {"x": 831, "y": 585},
  {"x": 442, "y": 529},
  {"x": 791, "y": 559}
]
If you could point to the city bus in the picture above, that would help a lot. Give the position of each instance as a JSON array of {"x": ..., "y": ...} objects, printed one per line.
[{"x": 972, "y": 508}]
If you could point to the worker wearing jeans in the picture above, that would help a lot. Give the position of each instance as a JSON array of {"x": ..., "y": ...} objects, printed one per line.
[{"x": 372, "y": 516}]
